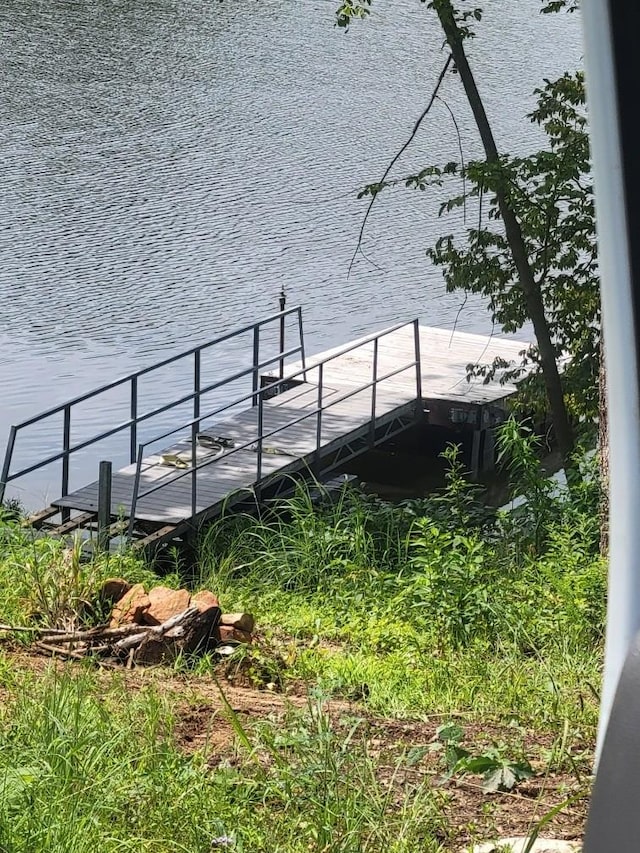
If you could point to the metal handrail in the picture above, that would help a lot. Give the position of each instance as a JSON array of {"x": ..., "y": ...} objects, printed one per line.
[
  {"x": 113, "y": 430},
  {"x": 131, "y": 424},
  {"x": 376, "y": 380}
]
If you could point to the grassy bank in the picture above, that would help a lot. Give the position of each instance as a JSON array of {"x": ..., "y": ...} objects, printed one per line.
[{"x": 397, "y": 646}]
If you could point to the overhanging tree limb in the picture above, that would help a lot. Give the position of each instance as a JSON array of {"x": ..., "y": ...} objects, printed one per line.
[
  {"x": 513, "y": 232},
  {"x": 399, "y": 154}
]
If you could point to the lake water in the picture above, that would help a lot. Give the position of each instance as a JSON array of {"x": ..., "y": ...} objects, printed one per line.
[{"x": 168, "y": 166}]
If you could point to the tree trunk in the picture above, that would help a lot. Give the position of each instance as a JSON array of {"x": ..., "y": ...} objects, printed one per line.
[{"x": 530, "y": 290}]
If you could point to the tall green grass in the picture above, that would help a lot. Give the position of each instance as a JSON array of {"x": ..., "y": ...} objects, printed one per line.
[
  {"x": 432, "y": 605},
  {"x": 438, "y": 606},
  {"x": 84, "y": 768}
]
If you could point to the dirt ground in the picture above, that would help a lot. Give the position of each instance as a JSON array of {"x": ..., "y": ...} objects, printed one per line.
[
  {"x": 472, "y": 815},
  {"x": 202, "y": 723}
]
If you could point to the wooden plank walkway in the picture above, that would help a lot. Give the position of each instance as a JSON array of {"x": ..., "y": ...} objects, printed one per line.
[
  {"x": 444, "y": 359},
  {"x": 232, "y": 474}
]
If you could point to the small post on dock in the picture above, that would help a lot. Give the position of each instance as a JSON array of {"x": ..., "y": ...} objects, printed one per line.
[
  {"x": 283, "y": 304},
  {"x": 104, "y": 505}
]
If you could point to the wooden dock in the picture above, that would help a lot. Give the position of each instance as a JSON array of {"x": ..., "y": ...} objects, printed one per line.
[{"x": 323, "y": 411}]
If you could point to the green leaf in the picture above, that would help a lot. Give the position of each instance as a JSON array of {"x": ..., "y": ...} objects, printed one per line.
[
  {"x": 493, "y": 781},
  {"x": 449, "y": 732},
  {"x": 416, "y": 754},
  {"x": 15, "y": 782},
  {"x": 479, "y": 764}
]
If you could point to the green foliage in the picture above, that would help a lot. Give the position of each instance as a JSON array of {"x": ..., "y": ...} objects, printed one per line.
[
  {"x": 359, "y": 9},
  {"x": 559, "y": 6},
  {"x": 350, "y": 9},
  {"x": 454, "y": 586},
  {"x": 432, "y": 604},
  {"x": 11, "y": 509},
  {"x": 518, "y": 450},
  {"x": 552, "y": 196},
  {"x": 87, "y": 766},
  {"x": 52, "y": 582},
  {"x": 500, "y": 773},
  {"x": 326, "y": 770},
  {"x": 459, "y": 505},
  {"x": 300, "y": 546}
]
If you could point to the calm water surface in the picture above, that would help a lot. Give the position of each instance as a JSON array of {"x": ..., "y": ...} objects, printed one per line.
[{"x": 168, "y": 166}]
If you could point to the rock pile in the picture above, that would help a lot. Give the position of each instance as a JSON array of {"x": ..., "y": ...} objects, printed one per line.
[{"x": 152, "y": 627}]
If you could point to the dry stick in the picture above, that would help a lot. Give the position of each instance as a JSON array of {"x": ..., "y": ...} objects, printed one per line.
[
  {"x": 32, "y": 629},
  {"x": 56, "y": 650},
  {"x": 103, "y": 633},
  {"x": 416, "y": 127},
  {"x": 98, "y": 633},
  {"x": 461, "y": 152},
  {"x": 172, "y": 625},
  {"x": 464, "y": 783},
  {"x": 132, "y": 641}
]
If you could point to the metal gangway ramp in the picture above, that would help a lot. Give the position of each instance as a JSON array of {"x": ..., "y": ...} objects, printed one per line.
[{"x": 296, "y": 419}]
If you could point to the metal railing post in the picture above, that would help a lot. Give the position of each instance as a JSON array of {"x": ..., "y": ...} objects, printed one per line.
[
  {"x": 133, "y": 432},
  {"x": 136, "y": 489},
  {"x": 66, "y": 444},
  {"x": 416, "y": 340},
  {"x": 319, "y": 416},
  {"x": 104, "y": 505},
  {"x": 194, "y": 474},
  {"x": 372, "y": 425},
  {"x": 6, "y": 466},
  {"x": 303, "y": 357},
  {"x": 260, "y": 431},
  {"x": 256, "y": 362},
  {"x": 196, "y": 386},
  {"x": 283, "y": 304}
]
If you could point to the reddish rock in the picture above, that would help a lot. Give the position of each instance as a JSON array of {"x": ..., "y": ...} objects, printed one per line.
[
  {"x": 113, "y": 589},
  {"x": 228, "y": 634},
  {"x": 131, "y": 608},
  {"x": 242, "y": 621},
  {"x": 165, "y": 603},
  {"x": 204, "y": 600}
]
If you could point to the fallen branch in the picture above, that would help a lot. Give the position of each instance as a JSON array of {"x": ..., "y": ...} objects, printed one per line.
[
  {"x": 57, "y": 650},
  {"x": 174, "y": 627},
  {"x": 98, "y": 633},
  {"x": 32, "y": 629},
  {"x": 188, "y": 631}
]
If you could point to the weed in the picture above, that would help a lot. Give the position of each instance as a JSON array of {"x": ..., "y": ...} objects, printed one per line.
[{"x": 500, "y": 772}]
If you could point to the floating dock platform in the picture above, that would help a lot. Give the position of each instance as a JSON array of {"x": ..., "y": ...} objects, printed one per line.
[{"x": 301, "y": 417}]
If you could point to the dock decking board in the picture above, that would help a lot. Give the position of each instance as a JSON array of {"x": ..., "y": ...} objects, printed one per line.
[
  {"x": 231, "y": 472},
  {"x": 444, "y": 357}
]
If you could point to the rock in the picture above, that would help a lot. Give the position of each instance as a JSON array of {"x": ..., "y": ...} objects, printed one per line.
[
  {"x": 112, "y": 590},
  {"x": 165, "y": 603},
  {"x": 203, "y": 600},
  {"x": 131, "y": 608},
  {"x": 518, "y": 845},
  {"x": 241, "y": 621},
  {"x": 228, "y": 634}
]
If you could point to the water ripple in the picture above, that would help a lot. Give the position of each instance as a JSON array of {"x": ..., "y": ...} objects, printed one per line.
[{"x": 168, "y": 166}]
